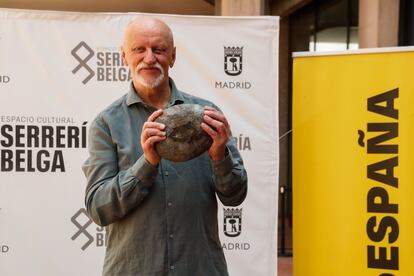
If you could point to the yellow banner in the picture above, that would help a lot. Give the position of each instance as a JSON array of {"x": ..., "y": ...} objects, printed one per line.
[{"x": 353, "y": 164}]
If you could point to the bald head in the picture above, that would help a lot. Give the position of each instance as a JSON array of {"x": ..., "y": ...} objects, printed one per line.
[
  {"x": 149, "y": 51},
  {"x": 147, "y": 26}
]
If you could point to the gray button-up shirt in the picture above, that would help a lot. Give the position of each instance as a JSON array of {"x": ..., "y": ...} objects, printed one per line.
[{"x": 160, "y": 220}]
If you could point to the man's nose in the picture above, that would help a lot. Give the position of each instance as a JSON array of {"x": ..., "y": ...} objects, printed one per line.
[{"x": 149, "y": 57}]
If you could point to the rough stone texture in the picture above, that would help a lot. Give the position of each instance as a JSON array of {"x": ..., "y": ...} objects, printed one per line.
[{"x": 185, "y": 137}]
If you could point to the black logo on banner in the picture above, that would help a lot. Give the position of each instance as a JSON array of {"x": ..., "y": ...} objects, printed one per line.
[
  {"x": 381, "y": 139},
  {"x": 232, "y": 221},
  {"x": 38, "y": 143},
  {"x": 103, "y": 64},
  {"x": 4, "y": 248},
  {"x": 4, "y": 79},
  {"x": 233, "y": 60},
  {"x": 82, "y": 221},
  {"x": 83, "y": 60}
]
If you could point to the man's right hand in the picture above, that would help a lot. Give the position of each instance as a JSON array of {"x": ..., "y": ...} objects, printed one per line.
[{"x": 152, "y": 133}]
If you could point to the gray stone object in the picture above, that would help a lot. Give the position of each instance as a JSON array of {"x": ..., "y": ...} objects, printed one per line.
[{"x": 185, "y": 137}]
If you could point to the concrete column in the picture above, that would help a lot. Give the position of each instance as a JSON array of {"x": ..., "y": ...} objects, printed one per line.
[
  {"x": 378, "y": 23},
  {"x": 240, "y": 7}
]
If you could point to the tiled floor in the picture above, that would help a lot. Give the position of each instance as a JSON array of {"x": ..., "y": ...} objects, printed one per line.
[{"x": 284, "y": 266}]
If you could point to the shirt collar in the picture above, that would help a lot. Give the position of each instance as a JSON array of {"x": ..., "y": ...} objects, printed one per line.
[{"x": 133, "y": 96}]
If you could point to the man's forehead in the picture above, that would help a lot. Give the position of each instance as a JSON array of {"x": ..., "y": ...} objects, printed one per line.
[
  {"x": 142, "y": 39},
  {"x": 148, "y": 28},
  {"x": 148, "y": 33}
]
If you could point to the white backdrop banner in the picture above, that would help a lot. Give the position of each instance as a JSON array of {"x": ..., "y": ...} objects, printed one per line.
[{"x": 59, "y": 69}]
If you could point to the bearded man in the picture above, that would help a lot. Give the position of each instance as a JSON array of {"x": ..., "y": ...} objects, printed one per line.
[{"x": 160, "y": 216}]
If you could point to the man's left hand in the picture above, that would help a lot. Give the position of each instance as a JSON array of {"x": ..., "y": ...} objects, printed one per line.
[{"x": 216, "y": 125}]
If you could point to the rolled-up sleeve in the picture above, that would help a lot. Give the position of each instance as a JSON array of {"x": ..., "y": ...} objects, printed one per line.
[{"x": 110, "y": 193}]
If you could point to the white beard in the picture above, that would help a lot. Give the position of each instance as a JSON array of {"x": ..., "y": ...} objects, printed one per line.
[{"x": 152, "y": 83}]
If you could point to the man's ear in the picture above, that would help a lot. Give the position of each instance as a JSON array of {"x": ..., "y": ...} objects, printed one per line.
[
  {"x": 173, "y": 57},
  {"x": 123, "y": 56}
]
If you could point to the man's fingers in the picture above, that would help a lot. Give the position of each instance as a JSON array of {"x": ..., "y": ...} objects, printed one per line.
[
  {"x": 210, "y": 131},
  {"x": 149, "y": 125},
  {"x": 209, "y": 108},
  {"x": 152, "y": 132},
  {"x": 149, "y": 132},
  {"x": 213, "y": 123},
  {"x": 221, "y": 127},
  {"x": 154, "y": 139},
  {"x": 214, "y": 114},
  {"x": 217, "y": 115},
  {"x": 155, "y": 115},
  {"x": 151, "y": 128}
]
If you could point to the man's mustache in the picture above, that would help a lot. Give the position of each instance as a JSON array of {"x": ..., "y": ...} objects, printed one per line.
[{"x": 146, "y": 66}]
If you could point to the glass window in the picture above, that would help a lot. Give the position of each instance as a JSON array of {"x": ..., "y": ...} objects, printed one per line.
[{"x": 325, "y": 25}]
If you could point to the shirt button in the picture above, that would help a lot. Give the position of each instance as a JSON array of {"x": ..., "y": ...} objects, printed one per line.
[
  {"x": 171, "y": 236},
  {"x": 169, "y": 204},
  {"x": 172, "y": 267}
]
